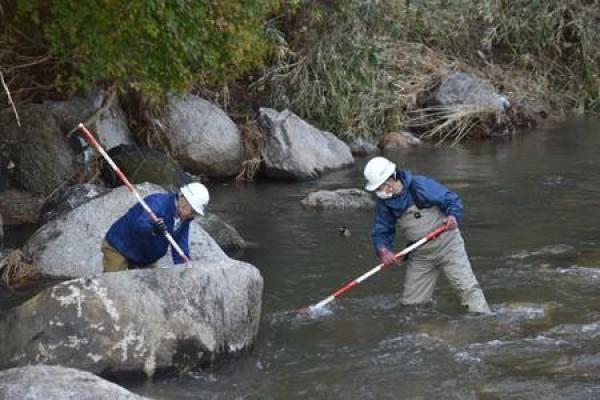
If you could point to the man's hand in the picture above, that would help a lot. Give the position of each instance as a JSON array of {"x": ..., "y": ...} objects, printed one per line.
[
  {"x": 450, "y": 222},
  {"x": 387, "y": 257},
  {"x": 159, "y": 227}
]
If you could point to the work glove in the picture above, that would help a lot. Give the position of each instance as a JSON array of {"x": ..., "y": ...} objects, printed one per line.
[
  {"x": 159, "y": 227},
  {"x": 450, "y": 222},
  {"x": 387, "y": 257}
]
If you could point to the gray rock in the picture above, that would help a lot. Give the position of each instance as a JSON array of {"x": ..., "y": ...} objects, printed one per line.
[
  {"x": 224, "y": 234},
  {"x": 398, "y": 140},
  {"x": 138, "y": 322},
  {"x": 1, "y": 234},
  {"x": 296, "y": 150},
  {"x": 363, "y": 148},
  {"x": 204, "y": 139},
  {"x": 110, "y": 126},
  {"x": 43, "y": 159},
  {"x": 144, "y": 165},
  {"x": 5, "y": 172},
  {"x": 43, "y": 382},
  {"x": 69, "y": 198},
  {"x": 69, "y": 246},
  {"x": 19, "y": 207},
  {"x": 462, "y": 88},
  {"x": 341, "y": 199}
]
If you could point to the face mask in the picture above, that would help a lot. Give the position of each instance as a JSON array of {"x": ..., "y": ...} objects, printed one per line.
[{"x": 383, "y": 195}]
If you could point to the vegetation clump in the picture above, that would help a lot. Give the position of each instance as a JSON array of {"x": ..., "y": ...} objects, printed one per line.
[
  {"x": 360, "y": 67},
  {"x": 153, "y": 46}
]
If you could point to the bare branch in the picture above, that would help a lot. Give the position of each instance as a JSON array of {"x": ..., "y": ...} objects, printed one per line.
[{"x": 10, "y": 100}]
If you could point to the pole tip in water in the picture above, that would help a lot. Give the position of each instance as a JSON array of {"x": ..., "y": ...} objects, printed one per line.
[{"x": 313, "y": 311}]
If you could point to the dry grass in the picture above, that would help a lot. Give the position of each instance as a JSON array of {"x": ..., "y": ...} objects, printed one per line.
[
  {"x": 454, "y": 123},
  {"x": 360, "y": 68},
  {"x": 253, "y": 143},
  {"x": 15, "y": 268},
  {"x": 144, "y": 115}
]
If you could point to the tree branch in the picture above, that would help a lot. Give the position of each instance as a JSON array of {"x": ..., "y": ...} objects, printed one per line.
[{"x": 10, "y": 100}]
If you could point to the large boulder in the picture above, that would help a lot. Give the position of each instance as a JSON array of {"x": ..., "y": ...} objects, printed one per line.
[
  {"x": 45, "y": 382},
  {"x": 460, "y": 88},
  {"x": 203, "y": 138},
  {"x": 340, "y": 199},
  {"x": 138, "y": 322},
  {"x": 107, "y": 119},
  {"x": 295, "y": 149},
  {"x": 43, "y": 159},
  {"x": 226, "y": 236},
  {"x": 69, "y": 198},
  {"x": 144, "y": 165},
  {"x": 69, "y": 246}
]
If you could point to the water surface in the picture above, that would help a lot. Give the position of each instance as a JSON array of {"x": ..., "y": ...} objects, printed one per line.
[{"x": 531, "y": 229}]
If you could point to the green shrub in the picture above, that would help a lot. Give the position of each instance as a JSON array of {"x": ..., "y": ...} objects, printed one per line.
[{"x": 151, "y": 45}]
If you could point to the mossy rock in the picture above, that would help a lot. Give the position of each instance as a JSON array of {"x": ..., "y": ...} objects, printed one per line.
[{"x": 144, "y": 165}]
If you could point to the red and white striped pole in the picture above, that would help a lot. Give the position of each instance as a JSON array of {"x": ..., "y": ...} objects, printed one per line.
[
  {"x": 341, "y": 291},
  {"x": 90, "y": 138}
]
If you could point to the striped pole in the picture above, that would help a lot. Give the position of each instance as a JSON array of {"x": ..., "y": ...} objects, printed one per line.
[
  {"x": 153, "y": 217},
  {"x": 341, "y": 291}
]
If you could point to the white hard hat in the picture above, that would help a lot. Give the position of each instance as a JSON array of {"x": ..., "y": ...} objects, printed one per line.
[
  {"x": 197, "y": 195},
  {"x": 377, "y": 171}
]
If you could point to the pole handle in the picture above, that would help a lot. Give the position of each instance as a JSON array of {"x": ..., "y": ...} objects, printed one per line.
[{"x": 90, "y": 138}]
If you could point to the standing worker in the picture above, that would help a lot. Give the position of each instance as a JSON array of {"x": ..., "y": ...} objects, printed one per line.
[
  {"x": 135, "y": 241},
  {"x": 419, "y": 205}
]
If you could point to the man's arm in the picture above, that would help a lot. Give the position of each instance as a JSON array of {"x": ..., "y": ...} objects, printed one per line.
[
  {"x": 384, "y": 228},
  {"x": 438, "y": 195},
  {"x": 143, "y": 225}
]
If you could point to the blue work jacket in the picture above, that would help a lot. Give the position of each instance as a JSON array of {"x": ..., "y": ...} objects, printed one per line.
[
  {"x": 133, "y": 235},
  {"x": 431, "y": 194}
]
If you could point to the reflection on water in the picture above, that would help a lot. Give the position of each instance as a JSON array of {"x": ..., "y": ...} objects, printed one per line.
[{"x": 532, "y": 232}]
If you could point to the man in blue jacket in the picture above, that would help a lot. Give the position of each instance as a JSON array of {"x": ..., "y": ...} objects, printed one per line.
[
  {"x": 135, "y": 241},
  {"x": 418, "y": 205}
]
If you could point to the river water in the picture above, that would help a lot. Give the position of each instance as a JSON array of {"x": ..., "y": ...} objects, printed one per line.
[{"x": 531, "y": 229}]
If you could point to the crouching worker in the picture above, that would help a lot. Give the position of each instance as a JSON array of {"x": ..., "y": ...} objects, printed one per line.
[
  {"x": 419, "y": 205},
  {"x": 135, "y": 241}
]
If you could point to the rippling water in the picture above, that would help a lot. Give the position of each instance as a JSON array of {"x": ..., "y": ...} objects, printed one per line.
[
  {"x": 532, "y": 218},
  {"x": 532, "y": 214}
]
